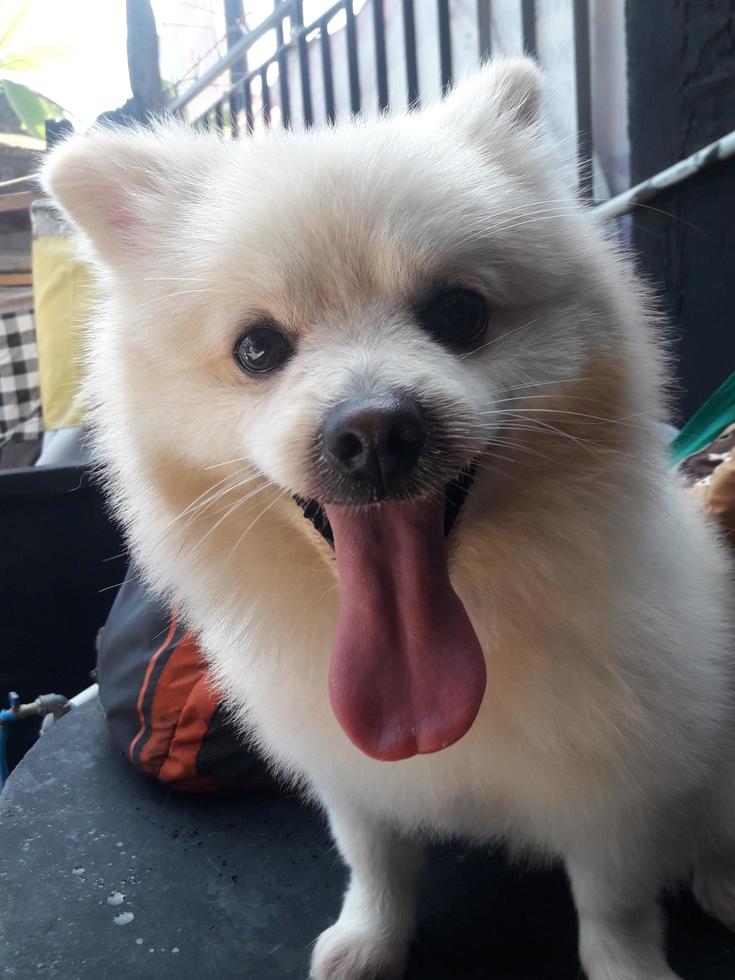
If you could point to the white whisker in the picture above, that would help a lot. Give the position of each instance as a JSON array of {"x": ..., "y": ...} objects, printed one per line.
[
  {"x": 228, "y": 462},
  {"x": 495, "y": 340},
  {"x": 230, "y": 510},
  {"x": 277, "y": 496},
  {"x": 539, "y": 384}
]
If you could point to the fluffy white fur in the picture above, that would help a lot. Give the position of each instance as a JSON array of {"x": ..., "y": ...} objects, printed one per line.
[{"x": 599, "y": 595}]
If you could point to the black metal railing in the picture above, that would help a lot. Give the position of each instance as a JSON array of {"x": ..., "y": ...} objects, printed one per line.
[{"x": 246, "y": 101}]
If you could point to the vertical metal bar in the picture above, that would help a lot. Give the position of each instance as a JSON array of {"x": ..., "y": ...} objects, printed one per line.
[
  {"x": 306, "y": 105},
  {"x": 409, "y": 38},
  {"x": 528, "y": 20},
  {"x": 265, "y": 96},
  {"x": 285, "y": 93},
  {"x": 234, "y": 108},
  {"x": 326, "y": 49},
  {"x": 352, "y": 58},
  {"x": 381, "y": 65},
  {"x": 483, "y": 29},
  {"x": 234, "y": 19},
  {"x": 219, "y": 117},
  {"x": 283, "y": 77},
  {"x": 445, "y": 44},
  {"x": 234, "y": 102},
  {"x": 583, "y": 79},
  {"x": 248, "y": 104}
]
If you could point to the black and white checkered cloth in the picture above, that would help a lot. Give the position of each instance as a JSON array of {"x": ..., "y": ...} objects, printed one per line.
[{"x": 20, "y": 391}]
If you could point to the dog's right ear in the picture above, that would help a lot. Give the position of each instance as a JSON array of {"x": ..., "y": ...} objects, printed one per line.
[
  {"x": 505, "y": 93},
  {"x": 122, "y": 188}
]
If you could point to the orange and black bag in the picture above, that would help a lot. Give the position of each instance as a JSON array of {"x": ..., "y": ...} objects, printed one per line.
[{"x": 161, "y": 707}]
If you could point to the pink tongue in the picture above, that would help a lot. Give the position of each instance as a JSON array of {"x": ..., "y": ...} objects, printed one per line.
[{"x": 407, "y": 674}]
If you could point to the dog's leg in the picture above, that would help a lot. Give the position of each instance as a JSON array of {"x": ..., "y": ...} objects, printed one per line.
[
  {"x": 620, "y": 923},
  {"x": 371, "y": 937}
]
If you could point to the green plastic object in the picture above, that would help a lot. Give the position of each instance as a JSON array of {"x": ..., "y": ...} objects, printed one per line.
[{"x": 707, "y": 423}]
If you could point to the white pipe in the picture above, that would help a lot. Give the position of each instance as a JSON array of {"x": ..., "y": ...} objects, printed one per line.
[
  {"x": 88, "y": 694},
  {"x": 721, "y": 149}
]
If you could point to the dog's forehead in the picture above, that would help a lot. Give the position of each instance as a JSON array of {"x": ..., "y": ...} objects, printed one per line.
[{"x": 351, "y": 215}]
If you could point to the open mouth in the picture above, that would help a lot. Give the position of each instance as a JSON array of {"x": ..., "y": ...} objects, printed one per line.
[
  {"x": 406, "y": 673},
  {"x": 455, "y": 494}
]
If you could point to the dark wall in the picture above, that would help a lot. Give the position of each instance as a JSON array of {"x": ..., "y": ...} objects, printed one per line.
[
  {"x": 60, "y": 566},
  {"x": 681, "y": 71}
]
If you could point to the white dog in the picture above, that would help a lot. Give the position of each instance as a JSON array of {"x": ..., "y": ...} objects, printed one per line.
[{"x": 391, "y": 325}]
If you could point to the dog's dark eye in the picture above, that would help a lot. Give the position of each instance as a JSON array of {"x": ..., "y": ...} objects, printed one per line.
[
  {"x": 262, "y": 349},
  {"x": 456, "y": 317}
]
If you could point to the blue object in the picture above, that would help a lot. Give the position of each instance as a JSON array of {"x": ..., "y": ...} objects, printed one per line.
[
  {"x": 7, "y": 715},
  {"x": 3, "y": 755}
]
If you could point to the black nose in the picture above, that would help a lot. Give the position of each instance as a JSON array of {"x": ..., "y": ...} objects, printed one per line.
[{"x": 375, "y": 439}]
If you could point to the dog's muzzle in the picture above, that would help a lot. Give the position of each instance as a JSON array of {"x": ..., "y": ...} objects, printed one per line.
[
  {"x": 382, "y": 446},
  {"x": 373, "y": 442}
]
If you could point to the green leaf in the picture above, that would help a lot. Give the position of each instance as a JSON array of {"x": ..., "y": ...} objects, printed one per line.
[
  {"x": 31, "y": 108},
  {"x": 19, "y": 52},
  {"x": 36, "y": 56},
  {"x": 12, "y": 27}
]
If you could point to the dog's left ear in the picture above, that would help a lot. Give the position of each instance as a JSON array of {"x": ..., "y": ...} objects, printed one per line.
[
  {"x": 506, "y": 92},
  {"x": 123, "y": 189}
]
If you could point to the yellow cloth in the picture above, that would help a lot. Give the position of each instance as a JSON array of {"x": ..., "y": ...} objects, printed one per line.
[{"x": 62, "y": 295}]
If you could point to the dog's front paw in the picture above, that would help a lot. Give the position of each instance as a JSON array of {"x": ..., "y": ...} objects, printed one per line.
[{"x": 345, "y": 952}]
